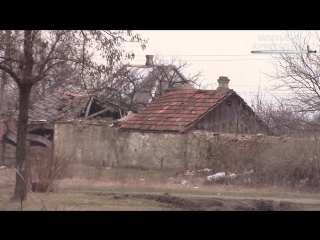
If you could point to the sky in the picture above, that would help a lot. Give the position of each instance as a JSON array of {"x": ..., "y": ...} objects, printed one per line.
[{"x": 219, "y": 53}]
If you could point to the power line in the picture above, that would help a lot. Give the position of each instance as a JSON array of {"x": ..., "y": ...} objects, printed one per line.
[
  {"x": 202, "y": 55},
  {"x": 196, "y": 55},
  {"x": 206, "y": 60},
  {"x": 137, "y": 58}
]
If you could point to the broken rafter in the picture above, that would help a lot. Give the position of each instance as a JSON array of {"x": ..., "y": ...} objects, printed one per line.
[
  {"x": 120, "y": 112},
  {"x": 111, "y": 103},
  {"x": 97, "y": 113},
  {"x": 88, "y": 108}
]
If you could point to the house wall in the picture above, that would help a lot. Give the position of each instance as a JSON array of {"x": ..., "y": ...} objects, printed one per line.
[
  {"x": 98, "y": 144},
  {"x": 229, "y": 117},
  {"x": 39, "y": 139}
]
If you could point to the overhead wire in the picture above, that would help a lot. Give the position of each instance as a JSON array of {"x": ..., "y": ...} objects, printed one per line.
[{"x": 203, "y": 55}]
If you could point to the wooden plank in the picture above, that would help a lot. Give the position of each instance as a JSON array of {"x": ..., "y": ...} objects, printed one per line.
[
  {"x": 33, "y": 137},
  {"x": 120, "y": 112},
  {"x": 76, "y": 102},
  {"x": 38, "y": 138},
  {"x": 77, "y": 110},
  {"x": 44, "y": 114},
  {"x": 41, "y": 106},
  {"x": 88, "y": 108},
  {"x": 12, "y": 136},
  {"x": 97, "y": 113}
]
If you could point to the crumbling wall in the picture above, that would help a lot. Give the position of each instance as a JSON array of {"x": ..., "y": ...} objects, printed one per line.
[
  {"x": 88, "y": 143},
  {"x": 102, "y": 144}
]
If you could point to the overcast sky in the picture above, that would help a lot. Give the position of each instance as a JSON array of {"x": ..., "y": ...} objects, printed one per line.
[{"x": 219, "y": 53}]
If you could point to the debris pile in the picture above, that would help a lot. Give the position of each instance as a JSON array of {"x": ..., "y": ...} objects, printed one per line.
[
  {"x": 223, "y": 176},
  {"x": 195, "y": 172}
]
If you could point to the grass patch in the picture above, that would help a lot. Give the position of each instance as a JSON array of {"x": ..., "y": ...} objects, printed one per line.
[{"x": 88, "y": 188}]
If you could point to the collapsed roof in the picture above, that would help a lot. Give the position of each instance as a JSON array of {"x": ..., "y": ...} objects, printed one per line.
[{"x": 62, "y": 104}]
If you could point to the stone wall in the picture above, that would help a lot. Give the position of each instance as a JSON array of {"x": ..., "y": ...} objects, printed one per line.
[
  {"x": 101, "y": 144},
  {"x": 114, "y": 148}
]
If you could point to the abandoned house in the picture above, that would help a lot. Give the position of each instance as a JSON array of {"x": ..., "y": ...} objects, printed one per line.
[
  {"x": 58, "y": 106},
  {"x": 63, "y": 106},
  {"x": 180, "y": 110},
  {"x": 170, "y": 107}
]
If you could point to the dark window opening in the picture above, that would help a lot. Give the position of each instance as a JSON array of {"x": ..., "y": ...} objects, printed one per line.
[
  {"x": 107, "y": 114},
  {"x": 228, "y": 103},
  {"x": 47, "y": 133}
]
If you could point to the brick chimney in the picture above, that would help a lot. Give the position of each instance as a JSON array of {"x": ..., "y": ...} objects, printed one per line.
[
  {"x": 223, "y": 83},
  {"x": 149, "y": 61}
]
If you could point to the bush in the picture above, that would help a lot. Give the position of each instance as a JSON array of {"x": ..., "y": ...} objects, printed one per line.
[{"x": 46, "y": 169}]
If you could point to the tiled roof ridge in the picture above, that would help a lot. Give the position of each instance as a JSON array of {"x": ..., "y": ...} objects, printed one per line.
[{"x": 169, "y": 103}]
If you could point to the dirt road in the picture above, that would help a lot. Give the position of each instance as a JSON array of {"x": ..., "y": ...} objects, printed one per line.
[{"x": 189, "y": 202}]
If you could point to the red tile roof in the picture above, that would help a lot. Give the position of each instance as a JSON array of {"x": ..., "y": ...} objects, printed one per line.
[{"x": 175, "y": 110}]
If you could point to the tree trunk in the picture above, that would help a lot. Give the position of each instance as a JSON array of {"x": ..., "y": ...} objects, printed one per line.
[
  {"x": 2, "y": 91},
  {"x": 22, "y": 165}
]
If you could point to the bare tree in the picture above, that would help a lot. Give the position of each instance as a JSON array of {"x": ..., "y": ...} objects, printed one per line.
[
  {"x": 135, "y": 86},
  {"x": 299, "y": 76},
  {"x": 4, "y": 77},
  {"x": 32, "y": 55}
]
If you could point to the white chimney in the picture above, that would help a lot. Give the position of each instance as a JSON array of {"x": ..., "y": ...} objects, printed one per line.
[
  {"x": 149, "y": 61},
  {"x": 223, "y": 83}
]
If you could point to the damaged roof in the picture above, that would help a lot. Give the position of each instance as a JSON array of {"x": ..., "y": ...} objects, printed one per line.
[
  {"x": 176, "y": 110},
  {"x": 57, "y": 103},
  {"x": 63, "y": 104}
]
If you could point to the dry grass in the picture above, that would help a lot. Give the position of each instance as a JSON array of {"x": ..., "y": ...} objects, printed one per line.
[{"x": 95, "y": 189}]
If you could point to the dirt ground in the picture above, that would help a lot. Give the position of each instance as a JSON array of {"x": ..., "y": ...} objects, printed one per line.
[
  {"x": 191, "y": 201},
  {"x": 223, "y": 203}
]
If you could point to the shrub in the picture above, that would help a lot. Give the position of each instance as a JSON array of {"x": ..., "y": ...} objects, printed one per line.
[{"x": 46, "y": 169}]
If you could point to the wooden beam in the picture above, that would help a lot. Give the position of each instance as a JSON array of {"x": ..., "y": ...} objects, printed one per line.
[
  {"x": 38, "y": 138},
  {"x": 97, "y": 113},
  {"x": 12, "y": 136},
  {"x": 88, "y": 108},
  {"x": 112, "y": 104},
  {"x": 33, "y": 137},
  {"x": 120, "y": 112}
]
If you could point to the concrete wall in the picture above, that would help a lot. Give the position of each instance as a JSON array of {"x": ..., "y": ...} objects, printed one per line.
[{"x": 101, "y": 144}]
